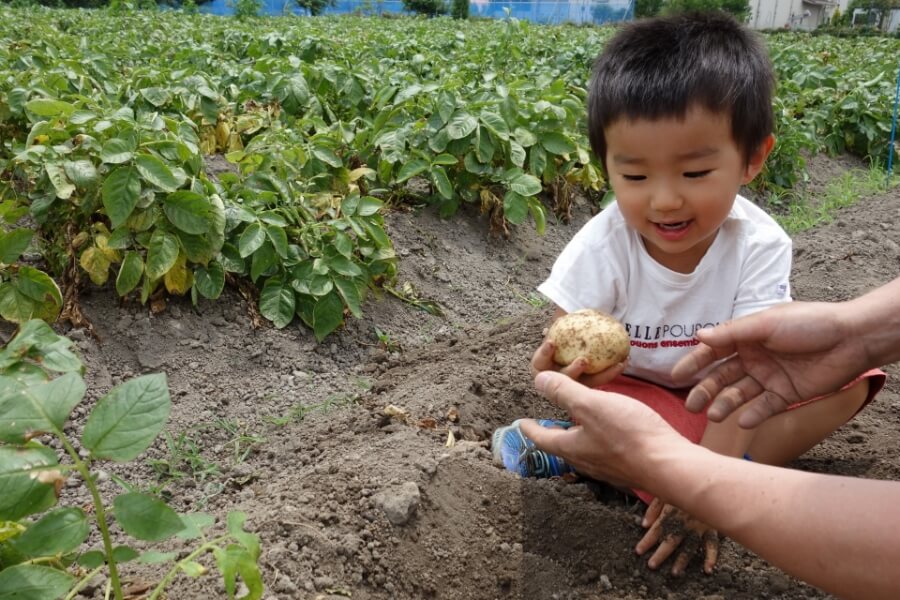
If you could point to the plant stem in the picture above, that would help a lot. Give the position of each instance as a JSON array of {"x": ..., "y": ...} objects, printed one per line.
[
  {"x": 207, "y": 547},
  {"x": 81, "y": 584},
  {"x": 101, "y": 515}
]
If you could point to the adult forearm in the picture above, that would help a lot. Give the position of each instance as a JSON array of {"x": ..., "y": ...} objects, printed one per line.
[
  {"x": 837, "y": 533},
  {"x": 875, "y": 318}
]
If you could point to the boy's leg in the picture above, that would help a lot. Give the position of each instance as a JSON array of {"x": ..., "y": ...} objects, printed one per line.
[{"x": 784, "y": 437}]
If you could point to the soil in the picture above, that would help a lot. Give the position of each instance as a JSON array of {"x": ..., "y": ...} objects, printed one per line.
[{"x": 351, "y": 502}]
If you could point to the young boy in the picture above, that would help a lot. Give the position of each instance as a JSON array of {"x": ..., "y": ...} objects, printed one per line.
[{"x": 680, "y": 116}]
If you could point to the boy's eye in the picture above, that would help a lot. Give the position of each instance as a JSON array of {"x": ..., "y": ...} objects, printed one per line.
[
  {"x": 634, "y": 177},
  {"x": 696, "y": 174}
]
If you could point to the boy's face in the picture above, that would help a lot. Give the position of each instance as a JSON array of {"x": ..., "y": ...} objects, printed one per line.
[{"x": 676, "y": 180}]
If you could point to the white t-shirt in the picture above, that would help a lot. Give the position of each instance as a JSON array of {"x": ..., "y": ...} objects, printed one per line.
[{"x": 606, "y": 267}]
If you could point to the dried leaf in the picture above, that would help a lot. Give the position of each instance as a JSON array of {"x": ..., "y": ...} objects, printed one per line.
[
  {"x": 453, "y": 414},
  {"x": 395, "y": 412},
  {"x": 428, "y": 423},
  {"x": 451, "y": 439}
]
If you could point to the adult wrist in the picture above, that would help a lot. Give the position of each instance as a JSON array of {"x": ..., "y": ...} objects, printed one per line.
[{"x": 873, "y": 321}]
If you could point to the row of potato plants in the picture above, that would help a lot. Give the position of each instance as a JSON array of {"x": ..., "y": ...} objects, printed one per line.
[{"x": 107, "y": 122}]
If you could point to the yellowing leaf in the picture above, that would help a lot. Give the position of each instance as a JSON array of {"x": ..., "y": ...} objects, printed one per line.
[
  {"x": 96, "y": 264},
  {"x": 179, "y": 278},
  {"x": 361, "y": 172},
  {"x": 111, "y": 254},
  {"x": 223, "y": 132}
]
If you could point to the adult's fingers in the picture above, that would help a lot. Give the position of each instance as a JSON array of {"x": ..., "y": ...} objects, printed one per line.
[
  {"x": 553, "y": 440},
  {"x": 698, "y": 359},
  {"x": 712, "y": 385},
  {"x": 732, "y": 397},
  {"x": 762, "y": 407},
  {"x": 563, "y": 391}
]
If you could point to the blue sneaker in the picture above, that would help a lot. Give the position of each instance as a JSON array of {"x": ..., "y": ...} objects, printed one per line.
[{"x": 516, "y": 453}]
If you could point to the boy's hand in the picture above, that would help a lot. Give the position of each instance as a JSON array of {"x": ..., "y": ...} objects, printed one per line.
[
  {"x": 542, "y": 360},
  {"x": 672, "y": 528}
]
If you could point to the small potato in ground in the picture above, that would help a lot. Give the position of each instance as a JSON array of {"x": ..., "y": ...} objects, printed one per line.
[{"x": 592, "y": 335}]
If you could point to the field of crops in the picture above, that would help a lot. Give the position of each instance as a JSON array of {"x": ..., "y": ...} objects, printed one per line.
[
  {"x": 107, "y": 121},
  {"x": 163, "y": 154}
]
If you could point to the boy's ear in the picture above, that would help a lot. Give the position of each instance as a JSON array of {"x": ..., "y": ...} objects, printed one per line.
[{"x": 758, "y": 159}]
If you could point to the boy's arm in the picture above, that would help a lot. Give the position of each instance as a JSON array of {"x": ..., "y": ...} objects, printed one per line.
[{"x": 728, "y": 437}]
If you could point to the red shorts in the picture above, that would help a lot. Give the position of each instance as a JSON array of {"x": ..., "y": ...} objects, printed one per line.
[{"x": 669, "y": 404}]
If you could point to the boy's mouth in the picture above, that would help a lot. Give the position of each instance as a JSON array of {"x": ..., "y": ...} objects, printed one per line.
[{"x": 673, "y": 231}]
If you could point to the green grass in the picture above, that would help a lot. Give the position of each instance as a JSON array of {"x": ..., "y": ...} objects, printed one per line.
[{"x": 805, "y": 211}]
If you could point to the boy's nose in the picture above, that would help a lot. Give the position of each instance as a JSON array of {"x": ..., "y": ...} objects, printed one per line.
[{"x": 666, "y": 198}]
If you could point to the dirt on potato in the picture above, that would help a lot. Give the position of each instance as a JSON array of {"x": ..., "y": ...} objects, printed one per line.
[{"x": 351, "y": 502}]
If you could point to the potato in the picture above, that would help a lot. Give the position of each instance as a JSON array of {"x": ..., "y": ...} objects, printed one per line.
[{"x": 591, "y": 334}]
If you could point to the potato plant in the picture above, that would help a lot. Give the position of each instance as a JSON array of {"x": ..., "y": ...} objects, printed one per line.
[
  {"x": 43, "y": 552},
  {"x": 108, "y": 122}
]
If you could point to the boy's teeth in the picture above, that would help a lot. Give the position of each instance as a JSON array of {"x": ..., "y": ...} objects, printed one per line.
[{"x": 672, "y": 225}]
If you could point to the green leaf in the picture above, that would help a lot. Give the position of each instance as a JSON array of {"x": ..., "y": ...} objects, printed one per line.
[
  {"x": 15, "y": 306},
  {"x": 411, "y": 169},
  {"x": 442, "y": 182},
  {"x": 120, "y": 194},
  {"x": 194, "y": 524},
  {"x": 188, "y": 211},
  {"x": 344, "y": 266},
  {"x": 92, "y": 559},
  {"x": 515, "y": 207},
  {"x": 328, "y": 315},
  {"x": 445, "y": 160},
  {"x": 539, "y": 214},
  {"x": 349, "y": 291},
  {"x": 557, "y": 143},
  {"x": 251, "y": 239},
  {"x": 116, "y": 151},
  {"x": 279, "y": 239},
  {"x": 162, "y": 254},
  {"x": 156, "y": 172},
  {"x": 232, "y": 261},
  {"x": 58, "y": 532},
  {"x": 13, "y": 244},
  {"x": 33, "y": 582},
  {"x": 496, "y": 124},
  {"x": 525, "y": 137},
  {"x": 368, "y": 206},
  {"x": 41, "y": 407},
  {"x": 516, "y": 153},
  {"x": 156, "y": 96},
  {"x": 235, "y": 526},
  {"x": 82, "y": 173},
  {"x": 525, "y": 184},
  {"x": 130, "y": 273},
  {"x": 277, "y": 302},
  {"x": 49, "y": 108},
  {"x": 123, "y": 554},
  {"x": 263, "y": 260},
  {"x": 62, "y": 185},
  {"x": 537, "y": 160},
  {"x": 192, "y": 568},
  {"x": 127, "y": 420},
  {"x": 210, "y": 280},
  {"x": 343, "y": 244},
  {"x": 461, "y": 125},
  {"x": 25, "y": 488},
  {"x": 327, "y": 156},
  {"x": 145, "y": 517}
]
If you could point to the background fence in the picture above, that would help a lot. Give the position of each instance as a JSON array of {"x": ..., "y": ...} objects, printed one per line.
[{"x": 538, "y": 11}]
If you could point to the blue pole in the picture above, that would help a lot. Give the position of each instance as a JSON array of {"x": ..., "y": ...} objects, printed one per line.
[{"x": 890, "y": 164}]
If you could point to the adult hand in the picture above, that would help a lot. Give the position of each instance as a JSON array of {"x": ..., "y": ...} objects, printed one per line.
[
  {"x": 542, "y": 360},
  {"x": 616, "y": 438},
  {"x": 673, "y": 529},
  {"x": 786, "y": 354}
]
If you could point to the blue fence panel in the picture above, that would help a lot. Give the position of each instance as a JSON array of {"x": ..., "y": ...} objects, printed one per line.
[{"x": 538, "y": 11}]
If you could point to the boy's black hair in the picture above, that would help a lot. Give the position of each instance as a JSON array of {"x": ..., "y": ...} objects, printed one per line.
[{"x": 661, "y": 67}]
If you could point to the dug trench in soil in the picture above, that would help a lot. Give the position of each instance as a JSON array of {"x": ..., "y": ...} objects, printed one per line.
[{"x": 350, "y": 502}]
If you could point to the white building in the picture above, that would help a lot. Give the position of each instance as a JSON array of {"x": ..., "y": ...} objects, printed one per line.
[{"x": 803, "y": 14}]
